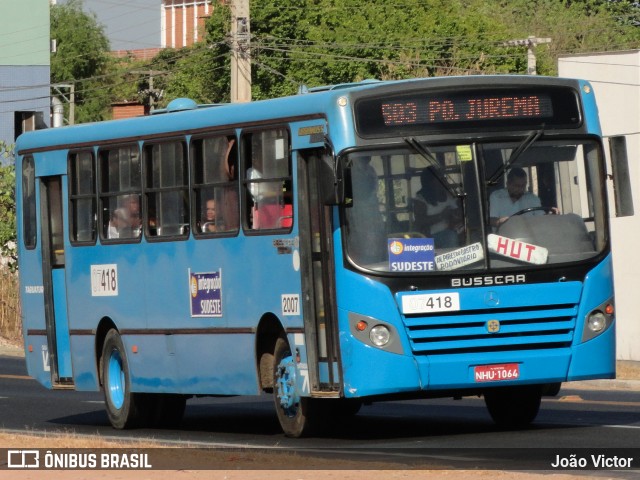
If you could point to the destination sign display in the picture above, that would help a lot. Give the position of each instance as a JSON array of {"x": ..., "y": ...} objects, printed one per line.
[{"x": 416, "y": 112}]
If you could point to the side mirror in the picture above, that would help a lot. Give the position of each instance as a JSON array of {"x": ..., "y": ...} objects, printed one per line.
[
  {"x": 621, "y": 179},
  {"x": 331, "y": 180}
]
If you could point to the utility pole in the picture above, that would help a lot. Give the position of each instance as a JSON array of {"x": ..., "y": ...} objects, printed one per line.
[
  {"x": 240, "y": 52},
  {"x": 531, "y": 43},
  {"x": 152, "y": 93},
  {"x": 71, "y": 99}
]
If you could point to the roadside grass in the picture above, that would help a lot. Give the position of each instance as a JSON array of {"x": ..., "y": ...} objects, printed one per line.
[
  {"x": 68, "y": 440},
  {"x": 10, "y": 323}
]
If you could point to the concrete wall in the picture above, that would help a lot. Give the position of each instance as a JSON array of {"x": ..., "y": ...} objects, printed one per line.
[
  {"x": 615, "y": 78},
  {"x": 24, "y": 62},
  {"x": 25, "y": 32}
]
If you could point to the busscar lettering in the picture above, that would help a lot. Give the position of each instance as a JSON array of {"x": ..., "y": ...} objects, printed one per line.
[{"x": 488, "y": 280}]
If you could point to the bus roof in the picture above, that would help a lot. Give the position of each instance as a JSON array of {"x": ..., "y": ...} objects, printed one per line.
[{"x": 187, "y": 117}]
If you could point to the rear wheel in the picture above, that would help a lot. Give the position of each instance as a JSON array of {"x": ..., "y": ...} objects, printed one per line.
[
  {"x": 513, "y": 407},
  {"x": 125, "y": 408},
  {"x": 297, "y": 415}
]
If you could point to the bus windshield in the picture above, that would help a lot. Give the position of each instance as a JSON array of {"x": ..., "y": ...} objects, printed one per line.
[{"x": 425, "y": 209}]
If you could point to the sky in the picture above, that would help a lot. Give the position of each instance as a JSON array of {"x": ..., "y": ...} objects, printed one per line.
[{"x": 129, "y": 24}]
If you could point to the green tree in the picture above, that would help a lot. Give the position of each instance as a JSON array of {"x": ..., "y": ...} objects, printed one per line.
[
  {"x": 82, "y": 59},
  {"x": 322, "y": 42},
  {"x": 7, "y": 205},
  {"x": 191, "y": 72},
  {"x": 574, "y": 27}
]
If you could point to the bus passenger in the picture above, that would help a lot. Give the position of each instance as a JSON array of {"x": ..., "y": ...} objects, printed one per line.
[
  {"x": 119, "y": 222},
  {"x": 209, "y": 218},
  {"x": 132, "y": 205},
  {"x": 505, "y": 202},
  {"x": 436, "y": 212}
]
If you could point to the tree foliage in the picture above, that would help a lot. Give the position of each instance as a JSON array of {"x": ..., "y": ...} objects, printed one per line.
[
  {"x": 7, "y": 205},
  {"x": 82, "y": 58},
  {"x": 321, "y": 42},
  {"x": 317, "y": 42}
]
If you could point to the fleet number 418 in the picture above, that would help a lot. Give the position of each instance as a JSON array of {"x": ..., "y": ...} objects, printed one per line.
[{"x": 104, "y": 280}]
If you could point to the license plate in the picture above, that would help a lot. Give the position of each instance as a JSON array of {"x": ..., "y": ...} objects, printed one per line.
[
  {"x": 431, "y": 303},
  {"x": 496, "y": 373}
]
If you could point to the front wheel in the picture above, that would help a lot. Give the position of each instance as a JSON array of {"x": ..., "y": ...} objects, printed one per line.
[
  {"x": 513, "y": 407},
  {"x": 125, "y": 408},
  {"x": 297, "y": 415}
]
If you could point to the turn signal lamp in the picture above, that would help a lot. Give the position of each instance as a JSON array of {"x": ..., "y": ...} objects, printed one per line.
[
  {"x": 609, "y": 309},
  {"x": 361, "y": 326}
]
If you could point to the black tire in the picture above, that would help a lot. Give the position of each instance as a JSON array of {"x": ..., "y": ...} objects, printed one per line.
[
  {"x": 125, "y": 408},
  {"x": 513, "y": 407},
  {"x": 298, "y": 417}
]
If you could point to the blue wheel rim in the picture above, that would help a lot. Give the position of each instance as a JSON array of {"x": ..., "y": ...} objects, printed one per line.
[
  {"x": 116, "y": 386},
  {"x": 286, "y": 387}
]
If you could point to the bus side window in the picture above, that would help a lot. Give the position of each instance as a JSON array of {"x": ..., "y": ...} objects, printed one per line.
[
  {"x": 29, "y": 202},
  {"x": 120, "y": 188},
  {"x": 215, "y": 185},
  {"x": 82, "y": 191},
  {"x": 166, "y": 187},
  {"x": 267, "y": 180}
]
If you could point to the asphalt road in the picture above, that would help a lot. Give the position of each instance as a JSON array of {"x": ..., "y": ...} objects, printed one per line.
[{"x": 600, "y": 415}]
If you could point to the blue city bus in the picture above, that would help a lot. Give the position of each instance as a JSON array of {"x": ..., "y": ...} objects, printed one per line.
[{"x": 332, "y": 248}]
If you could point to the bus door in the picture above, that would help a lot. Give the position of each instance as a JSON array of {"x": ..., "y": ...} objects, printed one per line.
[
  {"x": 318, "y": 284},
  {"x": 53, "y": 271}
]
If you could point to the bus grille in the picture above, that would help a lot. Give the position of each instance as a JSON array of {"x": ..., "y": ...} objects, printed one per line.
[{"x": 469, "y": 331}]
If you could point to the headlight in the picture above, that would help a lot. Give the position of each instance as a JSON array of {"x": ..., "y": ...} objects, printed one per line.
[
  {"x": 379, "y": 335},
  {"x": 597, "y": 321}
]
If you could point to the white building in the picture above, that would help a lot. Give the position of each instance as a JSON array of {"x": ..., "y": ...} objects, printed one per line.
[{"x": 615, "y": 78}]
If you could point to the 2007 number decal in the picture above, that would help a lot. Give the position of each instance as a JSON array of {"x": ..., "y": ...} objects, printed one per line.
[{"x": 291, "y": 304}]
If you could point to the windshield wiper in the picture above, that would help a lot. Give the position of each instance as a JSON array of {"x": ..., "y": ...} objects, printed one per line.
[
  {"x": 515, "y": 154},
  {"x": 452, "y": 187}
]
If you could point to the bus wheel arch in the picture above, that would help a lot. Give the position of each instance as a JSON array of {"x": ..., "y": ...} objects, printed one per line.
[
  {"x": 267, "y": 334},
  {"x": 104, "y": 326}
]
